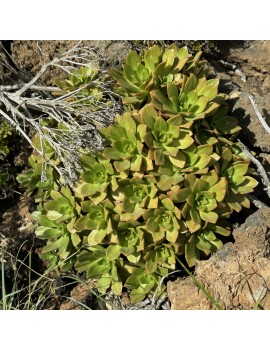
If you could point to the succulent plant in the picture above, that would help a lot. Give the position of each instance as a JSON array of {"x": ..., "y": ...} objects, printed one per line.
[
  {"x": 165, "y": 222},
  {"x": 97, "y": 175},
  {"x": 56, "y": 224},
  {"x": 104, "y": 263},
  {"x": 200, "y": 197},
  {"x": 135, "y": 196},
  {"x": 141, "y": 284},
  {"x": 236, "y": 169},
  {"x": 125, "y": 146},
  {"x": 84, "y": 82},
  {"x": 205, "y": 241},
  {"x": 193, "y": 99},
  {"x": 76, "y": 78},
  {"x": 168, "y": 177},
  {"x": 164, "y": 138},
  {"x": 130, "y": 238},
  {"x": 97, "y": 220},
  {"x": 155, "y": 69}
]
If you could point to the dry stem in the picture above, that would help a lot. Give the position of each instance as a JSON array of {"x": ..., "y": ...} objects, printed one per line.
[
  {"x": 259, "y": 166},
  {"x": 22, "y": 108},
  {"x": 258, "y": 114}
]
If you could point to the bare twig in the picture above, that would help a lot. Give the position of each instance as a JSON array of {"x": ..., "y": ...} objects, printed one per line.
[
  {"x": 258, "y": 114},
  {"x": 259, "y": 166},
  {"x": 256, "y": 202},
  {"x": 33, "y": 87}
]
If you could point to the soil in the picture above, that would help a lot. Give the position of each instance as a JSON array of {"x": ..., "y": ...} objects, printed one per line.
[{"x": 238, "y": 275}]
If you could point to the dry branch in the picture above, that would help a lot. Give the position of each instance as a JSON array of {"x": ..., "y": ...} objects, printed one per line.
[
  {"x": 259, "y": 166},
  {"x": 23, "y": 109},
  {"x": 256, "y": 202},
  {"x": 258, "y": 114}
]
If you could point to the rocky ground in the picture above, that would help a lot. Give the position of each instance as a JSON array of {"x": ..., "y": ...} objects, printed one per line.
[{"x": 238, "y": 276}]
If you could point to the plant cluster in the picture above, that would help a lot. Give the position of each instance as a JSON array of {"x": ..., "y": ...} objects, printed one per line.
[{"x": 167, "y": 180}]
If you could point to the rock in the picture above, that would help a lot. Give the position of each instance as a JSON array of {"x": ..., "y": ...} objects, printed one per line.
[
  {"x": 252, "y": 237},
  {"x": 185, "y": 295},
  {"x": 238, "y": 281},
  {"x": 238, "y": 276},
  {"x": 256, "y": 56},
  {"x": 266, "y": 84}
]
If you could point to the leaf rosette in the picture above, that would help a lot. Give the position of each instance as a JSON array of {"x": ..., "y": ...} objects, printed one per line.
[
  {"x": 193, "y": 100},
  {"x": 134, "y": 196},
  {"x": 142, "y": 283},
  {"x": 130, "y": 237},
  {"x": 164, "y": 138},
  {"x": 235, "y": 170},
  {"x": 200, "y": 197},
  {"x": 97, "y": 220},
  {"x": 103, "y": 264},
  {"x": 125, "y": 147},
  {"x": 56, "y": 219},
  {"x": 98, "y": 173},
  {"x": 204, "y": 241},
  {"x": 164, "y": 222},
  {"x": 159, "y": 256}
]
